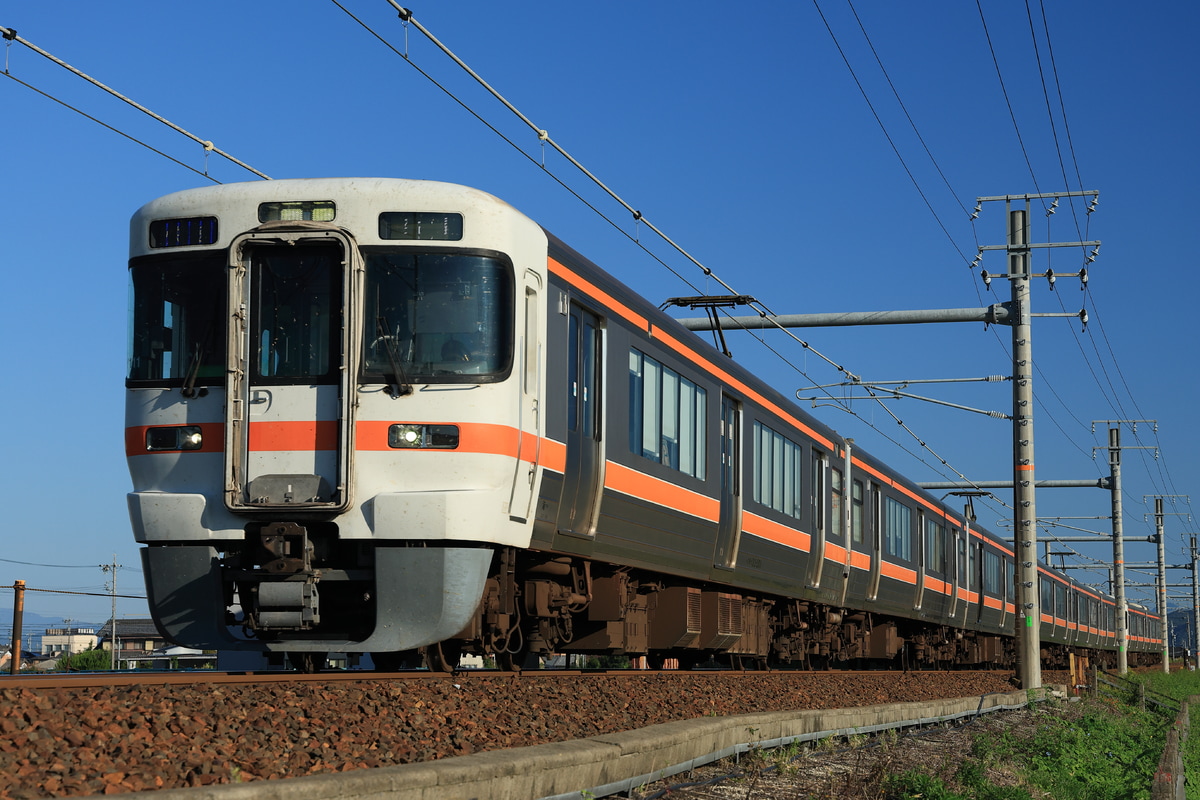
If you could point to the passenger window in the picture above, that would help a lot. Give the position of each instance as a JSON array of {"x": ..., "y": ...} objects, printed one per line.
[
  {"x": 856, "y": 513},
  {"x": 935, "y": 546},
  {"x": 898, "y": 529},
  {"x": 777, "y": 471},
  {"x": 837, "y": 507},
  {"x": 668, "y": 415}
]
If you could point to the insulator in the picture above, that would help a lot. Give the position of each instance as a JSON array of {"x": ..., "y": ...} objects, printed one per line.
[
  {"x": 1053, "y": 207},
  {"x": 1050, "y": 277},
  {"x": 975, "y": 214},
  {"x": 987, "y": 279},
  {"x": 995, "y": 378},
  {"x": 1082, "y": 278}
]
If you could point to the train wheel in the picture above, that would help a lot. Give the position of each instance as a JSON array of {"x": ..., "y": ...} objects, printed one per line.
[
  {"x": 515, "y": 662},
  {"x": 308, "y": 663},
  {"x": 443, "y": 656}
]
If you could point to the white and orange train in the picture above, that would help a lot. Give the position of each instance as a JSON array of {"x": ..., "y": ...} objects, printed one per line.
[{"x": 396, "y": 417}]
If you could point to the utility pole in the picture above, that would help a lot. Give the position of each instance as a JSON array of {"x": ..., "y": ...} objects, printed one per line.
[
  {"x": 1024, "y": 491},
  {"x": 112, "y": 568},
  {"x": 14, "y": 665},
  {"x": 1118, "y": 528},
  {"x": 1195, "y": 605},
  {"x": 1018, "y": 315},
  {"x": 1163, "y": 627},
  {"x": 1160, "y": 538},
  {"x": 1017, "y": 249}
]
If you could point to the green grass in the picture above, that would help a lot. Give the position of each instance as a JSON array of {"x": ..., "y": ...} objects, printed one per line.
[
  {"x": 1096, "y": 749},
  {"x": 1180, "y": 686}
]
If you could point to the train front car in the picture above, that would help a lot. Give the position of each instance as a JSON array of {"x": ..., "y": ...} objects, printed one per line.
[{"x": 332, "y": 409}]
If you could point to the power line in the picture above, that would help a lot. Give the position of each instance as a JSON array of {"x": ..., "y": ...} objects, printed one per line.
[
  {"x": 883, "y": 127},
  {"x": 109, "y": 127},
  {"x": 10, "y": 34},
  {"x": 76, "y": 594},
  {"x": 544, "y": 138},
  {"x": 1011, "y": 113},
  {"x": 904, "y": 108},
  {"x": 56, "y": 566}
]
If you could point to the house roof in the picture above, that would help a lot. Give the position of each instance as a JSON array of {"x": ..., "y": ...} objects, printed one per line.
[{"x": 131, "y": 628}]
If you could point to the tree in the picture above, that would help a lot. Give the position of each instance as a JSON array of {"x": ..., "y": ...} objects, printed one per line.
[{"x": 87, "y": 660}]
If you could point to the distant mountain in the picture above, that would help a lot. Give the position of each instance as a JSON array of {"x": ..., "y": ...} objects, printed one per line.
[
  {"x": 1182, "y": 632},
  {"x": 36, "y": 623}
]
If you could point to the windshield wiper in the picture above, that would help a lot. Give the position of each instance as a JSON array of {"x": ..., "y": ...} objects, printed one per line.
[
  {"x": 400, "y": 385},
  {"x": 193, "y": 372}
]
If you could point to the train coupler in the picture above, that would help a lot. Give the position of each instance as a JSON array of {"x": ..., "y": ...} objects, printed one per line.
[
  {"x": 287, "y": 605},
  {"x": 288, "y": 599}
]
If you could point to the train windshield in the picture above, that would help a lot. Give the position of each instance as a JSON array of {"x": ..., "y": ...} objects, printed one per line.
[
  {"x": 436, "y": 317},
  {"x": 295, "y": 313},
  {"x": 177, "y": 334}
]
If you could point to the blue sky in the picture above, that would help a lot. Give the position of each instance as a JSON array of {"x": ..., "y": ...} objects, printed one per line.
[{"x": 741, "y": 133}]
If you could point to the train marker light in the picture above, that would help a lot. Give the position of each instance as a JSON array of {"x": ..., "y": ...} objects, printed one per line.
[{"x": 418, "y": 436}]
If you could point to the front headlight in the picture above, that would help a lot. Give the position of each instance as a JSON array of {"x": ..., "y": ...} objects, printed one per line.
[
  {"x": 185, "y": 437},
  {"x": 418, "y": 436}
]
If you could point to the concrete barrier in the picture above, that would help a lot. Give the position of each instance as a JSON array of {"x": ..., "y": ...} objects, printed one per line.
[{"x": 601, "y": 765}]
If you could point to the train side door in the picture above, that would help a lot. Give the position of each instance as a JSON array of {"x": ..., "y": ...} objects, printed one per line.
[
  {"x": 920, "y": 550},
  {"x": 957, "y": 569},
  {"x": 816, "y": 557},
  {"x": 580, "y": 504},
  {"x": 978, "y": 584},
  {"x": 529, "y": 413},
  {"x": 729, "y": 527},
  {"x": 860, "y": 539},
  {"x": 876, "y": 534}
]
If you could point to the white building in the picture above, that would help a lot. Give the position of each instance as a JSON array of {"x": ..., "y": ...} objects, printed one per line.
[{"x": 68, "y": 641}]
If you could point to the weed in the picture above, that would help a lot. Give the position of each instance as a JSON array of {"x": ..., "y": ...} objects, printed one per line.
[{"x": 912, "y": 784}]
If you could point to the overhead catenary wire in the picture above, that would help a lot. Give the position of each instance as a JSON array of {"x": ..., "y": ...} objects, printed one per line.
[
  {"x": 1008, "y": 100},
  {"x": 103, "y": 124},
  {"x": 10, "y": 34},
  {"x": 883, "y": 127},
  {"x": 1058, "y": 149},
  {"x": 549, "y": 141},
  {"x": 544, "y": 138}
]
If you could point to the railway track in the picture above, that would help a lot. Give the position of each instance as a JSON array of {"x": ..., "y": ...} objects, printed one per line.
[
  {"x": 64, "y": 680},
  {"x": 112, "y": 733}
]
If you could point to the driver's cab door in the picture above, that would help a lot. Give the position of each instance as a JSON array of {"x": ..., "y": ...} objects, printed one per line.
[{"x": 289, "y": 417}]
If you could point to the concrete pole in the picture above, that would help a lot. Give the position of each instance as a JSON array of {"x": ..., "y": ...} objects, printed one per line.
[
  {"x": 1114, "y": 465},
  {"x": 1163, "y": 627},
  {"x": 1029, "y": 658},
  {"x": 1195, "y": 605}
]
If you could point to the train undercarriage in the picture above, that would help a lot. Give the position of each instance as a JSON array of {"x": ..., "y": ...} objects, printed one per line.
[{"x": 538, "y": 604}]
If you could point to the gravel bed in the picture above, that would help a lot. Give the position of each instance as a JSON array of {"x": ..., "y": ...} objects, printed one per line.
[{"x": 74, "y": 742}]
